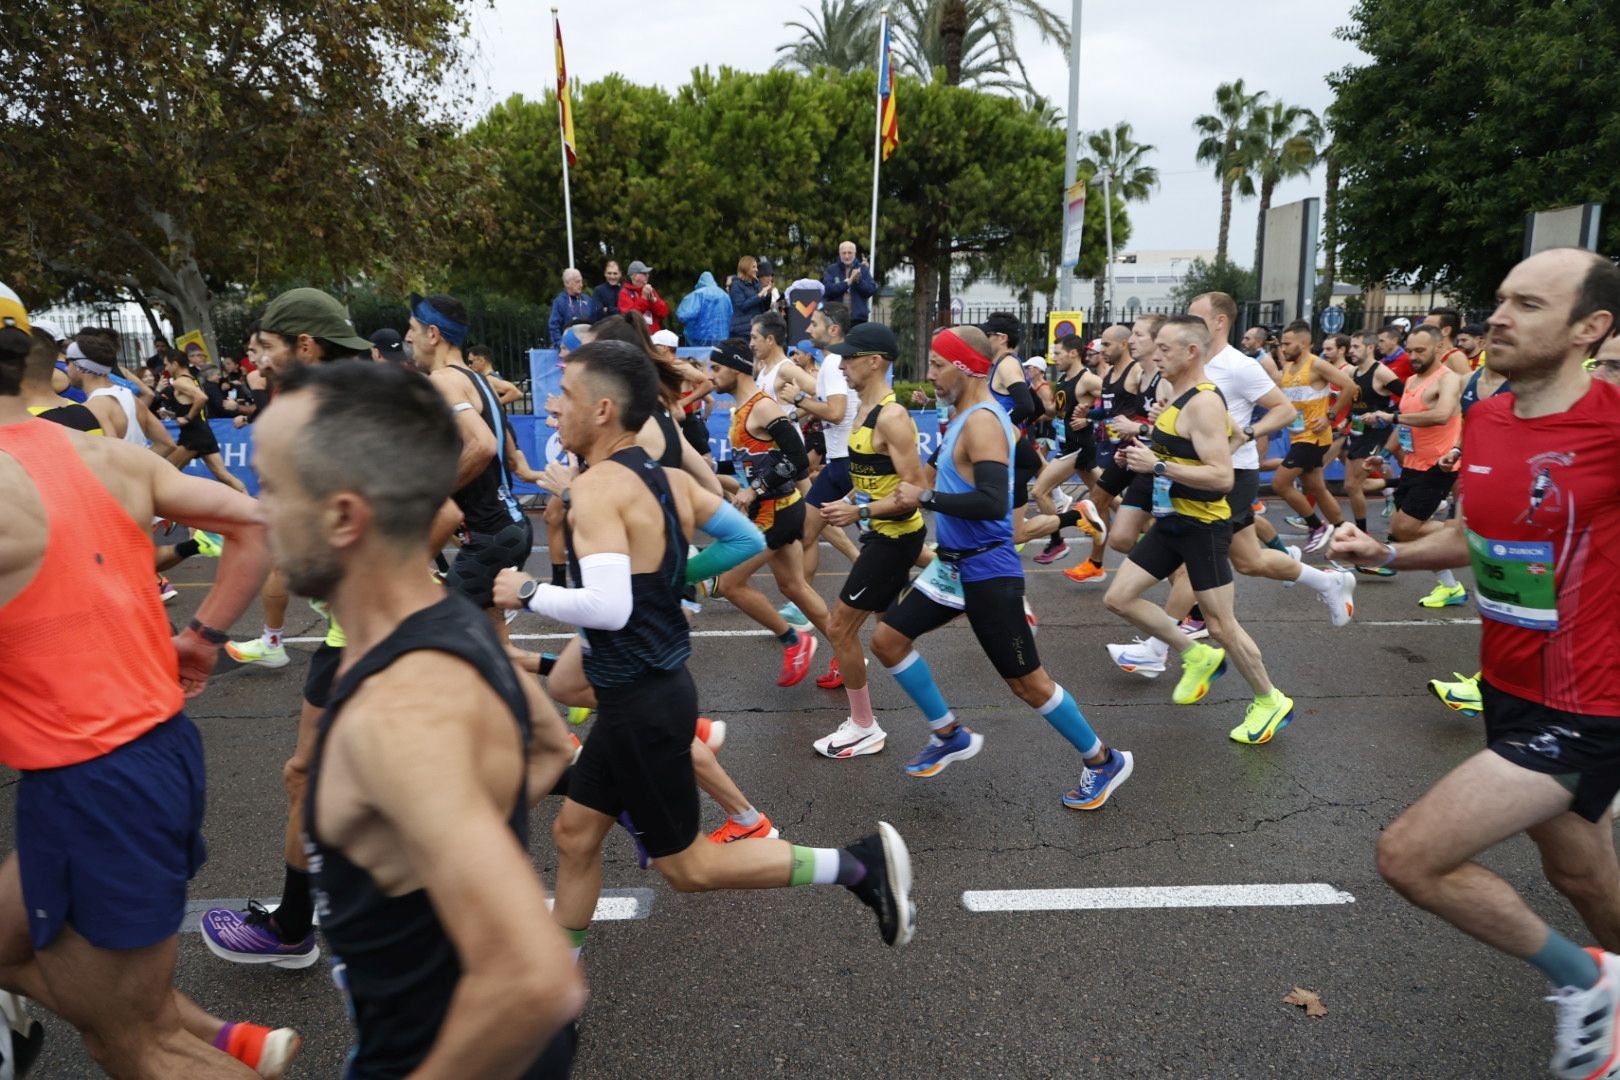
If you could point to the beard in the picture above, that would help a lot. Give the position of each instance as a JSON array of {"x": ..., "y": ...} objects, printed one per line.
[{"x": 312, "y": 575}]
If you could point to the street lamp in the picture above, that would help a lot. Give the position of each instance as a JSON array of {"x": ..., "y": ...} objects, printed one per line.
[{"x": 1105, "y": 177}]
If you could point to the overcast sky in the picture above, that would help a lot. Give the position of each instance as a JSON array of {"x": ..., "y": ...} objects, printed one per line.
[{"x": 1154, "y": 63}]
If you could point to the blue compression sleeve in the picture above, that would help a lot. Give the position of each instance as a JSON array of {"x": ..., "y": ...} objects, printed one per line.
[{"x": 736, "y": 540}]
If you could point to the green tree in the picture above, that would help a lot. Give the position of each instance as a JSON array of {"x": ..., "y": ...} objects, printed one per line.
[
  {"x": 841, "y": 36},
  {"x": 1224, "y": 136},
  {"x": 180, "y": 148},
  {"x": 1282, "y": 144},
  {"x": 1131, "y": 180},
  {"x": 1444, "y": 148},
  {"x": 1223, "y": 275}
]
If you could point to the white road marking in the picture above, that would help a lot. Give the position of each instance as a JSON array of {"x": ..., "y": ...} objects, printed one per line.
[
  {"x": 1157, "y": 896},
  {"x": 1474, "y": 621},
  {"x": 614, "y": 905}
]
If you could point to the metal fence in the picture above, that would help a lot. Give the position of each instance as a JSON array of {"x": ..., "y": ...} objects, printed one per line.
[{"x": 136, "y": 341}]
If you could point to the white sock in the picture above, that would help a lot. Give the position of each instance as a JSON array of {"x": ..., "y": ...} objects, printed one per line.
[
  {"x": 747, "y": 819},
  {"x": 1447, "y": 578},
  {"x": 1320, "y": 580},
  {"x": 826, "y": 867},
  {"x": 272, "y": 637}
]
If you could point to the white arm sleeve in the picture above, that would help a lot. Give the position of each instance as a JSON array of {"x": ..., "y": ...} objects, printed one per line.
[{"x": 602, "y": 602}]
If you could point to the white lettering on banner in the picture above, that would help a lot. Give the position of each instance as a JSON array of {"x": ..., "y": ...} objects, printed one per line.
[{"x": 235, "y": 455}]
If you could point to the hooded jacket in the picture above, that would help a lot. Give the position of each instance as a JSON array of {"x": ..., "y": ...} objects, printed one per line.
[{"x": 705, "y": 312}]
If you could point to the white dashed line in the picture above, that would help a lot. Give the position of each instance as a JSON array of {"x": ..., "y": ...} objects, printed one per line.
[{"x": 1160, "y": 896}]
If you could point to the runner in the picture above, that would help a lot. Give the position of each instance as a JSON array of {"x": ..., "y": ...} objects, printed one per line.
[
  {"x": 429, "y": 752},
  {"x": 1449, "y": 322},
  {"x": 1009, "y": 386},
  {"x": 36, "y": 392},
  {"x": 1191, "y": 465},
  {"x": 481, "y": 358},
  {"x": 637, "y": 757},
  {"x": 111, "y": 795},
  {"x": 1308, "y": 381},
  {"x": 196, "y": 440},
  {"x": 978, "y": 574},
  {"x": 1540, "y": 496},
  {"x": 1075, "y": 390},
  {"x": 1376, "y": 386}
]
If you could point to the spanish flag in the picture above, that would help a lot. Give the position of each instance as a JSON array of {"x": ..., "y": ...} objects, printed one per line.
[
  {"x": 889, "y": 122},
  {"x": 565, "y": 105}
]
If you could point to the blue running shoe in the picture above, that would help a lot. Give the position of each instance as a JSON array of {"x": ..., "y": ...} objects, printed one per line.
[
  {"x": 250, "y": 937},
  {"x": 1096, "y": 784},
  {"x": 960, "y": 745},
  {"x": 642, "y": 858},
  {"x": 795, "y": 618}
]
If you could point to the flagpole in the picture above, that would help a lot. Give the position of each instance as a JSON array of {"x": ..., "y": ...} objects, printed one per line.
[
  {"x": 877, "y": 143},
  {"x": 562, "y": 146}
]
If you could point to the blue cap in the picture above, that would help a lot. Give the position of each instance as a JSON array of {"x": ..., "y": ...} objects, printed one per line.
[{"x": 808, "y": 346}]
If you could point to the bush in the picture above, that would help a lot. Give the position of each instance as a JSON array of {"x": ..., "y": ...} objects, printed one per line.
[{"x": 903, "y": 390}]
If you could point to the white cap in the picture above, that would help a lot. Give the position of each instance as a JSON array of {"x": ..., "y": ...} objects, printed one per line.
[
  {"x": 666, "y": 337},
  {"x": 1036, "y": 362},
  {"x": 50, "y": 328}
]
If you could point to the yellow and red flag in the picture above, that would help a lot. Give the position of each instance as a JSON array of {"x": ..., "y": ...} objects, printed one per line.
[
  {"x": 565, "y": 104},
  {"x": 889, "y": 122}
]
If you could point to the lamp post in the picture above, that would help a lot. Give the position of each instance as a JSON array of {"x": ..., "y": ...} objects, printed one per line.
[
  {"x": 1072, "y": 144},
  {"x": 1105, "y": 177}
]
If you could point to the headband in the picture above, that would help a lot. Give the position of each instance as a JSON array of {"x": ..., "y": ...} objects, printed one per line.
[
  {"x": 428, "y": 315},
  {"x": 75, "y": 354},
  {"x": 570, "y": 339},
  {"x": 949, "y": 345},
  {"x": 733, "y": 359}
]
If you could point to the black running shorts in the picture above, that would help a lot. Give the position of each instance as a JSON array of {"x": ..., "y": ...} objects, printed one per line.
[
  {"x": 1418, "y": 491},
  {"x": 1026, "y": 467},
  {"x": 1240, "y": 500},
  {"x": 995, "y": 611},
  {"x": 1115, "y": 478},
  {"x": 787, "y": 526},
  {"x": 881, "y": 570},
  {"x": 1366, "y": 445},
  {"x": 483, "y": 556},
  {"x": 1138, "y": 494},
  {"x": 1198, "y": 545},
  {"x": 1581, "y": 752},
  {"x": 1306, "y": 457},
  {"x": 197, "y": 436}
]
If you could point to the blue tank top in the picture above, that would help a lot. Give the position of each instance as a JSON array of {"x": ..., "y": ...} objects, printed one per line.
[
  {"x": 1470, "y": 394},
  {"x": 1004, "y": 400},
  {"x": 989, "y": 543}
]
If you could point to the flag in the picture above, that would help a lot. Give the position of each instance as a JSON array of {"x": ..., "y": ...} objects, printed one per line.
[
  {"x": 889, "y": 122},
  {"x": 565, "y": 105}
]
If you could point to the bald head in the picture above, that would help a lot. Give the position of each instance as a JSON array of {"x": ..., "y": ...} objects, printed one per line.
[
  {"x": 1553, "y": 310},
  {"x": 1115, "y": 344}
]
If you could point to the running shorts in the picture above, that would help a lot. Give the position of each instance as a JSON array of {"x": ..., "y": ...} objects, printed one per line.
[
  {"x": 1026, "y": 467},
  {"x": 1240, "y": 500},
  {"x": 198, "y": 437},
  {"x": 1366, "y": 445},
  {"x": 1418, "y": 491},
  {"x": 881, "y": 570},
  {"x": 1085, "y": 446},
  {"x": 1581, "y": 752},
  {"x": 831, "y": 483},
  {"x": 1138, "y": 493},
  {"x": 995, "y": 611},
  {"x": 1200, "y": 546},
  {"x": 485, "y": 555},
  {"x": 787, "y": 526},
  {"x": 1306, "y": 457}
]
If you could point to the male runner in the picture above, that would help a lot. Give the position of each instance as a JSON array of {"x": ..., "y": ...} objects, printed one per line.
[
  {"x": 429, "y": 753},
  {"x": 1540, "y": 526},
  {"x": 628, "y": 525},
  {"x": 1376, "y": 385},
  {"x": 1010, "y": 389},
  {"x": 196, "y": 438},
  {"x": 882, "y": 454},
  {"x": 1191, "y": 465},
  {"x": 770, "y": 461},
  {"x": 1471, "y": 340},
  {"x": 1072, "y": 395},
  {"x": 1448, "y": 321},
  {"x": 978, "y": 573},
  {"x": 111, "y": 795},
  {"x": 36, "y": 390},
  {"x": 1308, "y": 382},
  {"x": 481, "y": 358}
]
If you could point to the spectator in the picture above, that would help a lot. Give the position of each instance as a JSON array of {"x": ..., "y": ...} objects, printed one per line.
[
  {"x": 571, "y": 305},
  {"x": 750, "y": 293},
  {"x": 639, "y": 296},
  {"x": 605, "y": 295},
  {"x": 850, "y": 280},
  {"x": 705, "y": 313}
]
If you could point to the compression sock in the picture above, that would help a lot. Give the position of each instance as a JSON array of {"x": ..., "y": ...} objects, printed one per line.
[
  {"x": 294, "y": 916},
  {"x": 825, "y": 866},
  {"x": 747, "y": 819},
  {"x": 186, "y": 548},
  {"x": 576, "y": 940},
  {"x": 1063, "y": 713},
  {"x": 1563, "y": 962},
  {"x": 1447, "y": 578},
  {"x": 918, "y": 682},
  {"x": 1312, "y": 520},
  {"x": 1069, "y": 519},
  {"x": 559, "y": 575},
  {"x": 1095, "y": 560},
  {"x": 272, "y": 637},
  {"x": 1311, "y": 577},
  {"x": 860, "y": 706},
  {"x": 1276, "y": 544},
  {"x": 789, "y": 639}
]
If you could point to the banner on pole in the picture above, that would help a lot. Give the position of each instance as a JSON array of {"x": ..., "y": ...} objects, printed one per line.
[
  {"x": 1059, "y": 325},
  {"x": 1074, "y": 220}
]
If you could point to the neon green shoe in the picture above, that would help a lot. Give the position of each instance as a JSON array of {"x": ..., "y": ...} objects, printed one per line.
[
  {"x": 1266, "y": 717},
  {"x": 257, "y": 652},
  {"x": 209, "y": 544},
  {"x": 1445, "y": 596},
  {"x": 1201, "y": 665},
  {"x": 578, "y": 714},
  {"x": 1461, "y": 696}
]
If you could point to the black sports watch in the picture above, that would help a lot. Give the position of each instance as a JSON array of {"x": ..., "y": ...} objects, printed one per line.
[
  {"x": 925, "y": 498},
  {"x": 1248, "y": 432},
  {"x": 526, "y": 591},
  {"x": 208, "y": 633},
  {"x": 1160, "y": 468}
]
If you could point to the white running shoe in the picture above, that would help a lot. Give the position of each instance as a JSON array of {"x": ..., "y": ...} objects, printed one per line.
[
  {"x": 851, "y": 740},
  {"x": 1140, "y": 658},
  {"x": 1583, "y": 1045},
  {"x": 257, "y": 652},
  {"x": 1340, "y": 597},
  {"x": 1061, "y": 500}
]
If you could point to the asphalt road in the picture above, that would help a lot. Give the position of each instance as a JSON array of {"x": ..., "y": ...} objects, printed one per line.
[{"x": 796, "y": 982}]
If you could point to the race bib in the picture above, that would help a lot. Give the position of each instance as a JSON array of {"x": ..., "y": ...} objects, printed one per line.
[
  {"x": 941, "y": 582},
  {"x": 1162, "y": 506},
  {"x": 1514, "y": 581},
  {"x": 1297, "y": 425},
  {"x": 1404, "y": 434}
]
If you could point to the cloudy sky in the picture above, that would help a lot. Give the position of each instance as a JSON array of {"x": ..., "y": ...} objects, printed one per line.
[{"x": 1155, "y": 63}]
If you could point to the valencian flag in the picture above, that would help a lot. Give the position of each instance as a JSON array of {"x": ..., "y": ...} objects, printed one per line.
[
  {"x": 888, "y": 121},
  {"x": 565, "y": 106}
]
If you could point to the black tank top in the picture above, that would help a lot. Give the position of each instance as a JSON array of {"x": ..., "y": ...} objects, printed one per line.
[
  {"x": 399, "y": 965},
  {"x": 671, "y": 457},
  {"x": 655, "y": 639},
  {"x": 1368, "y": 399},
  {"x": 486, "y": 501},
  {"x": 1074, "y": 434},
  {"x": 1115, "y": 399}
]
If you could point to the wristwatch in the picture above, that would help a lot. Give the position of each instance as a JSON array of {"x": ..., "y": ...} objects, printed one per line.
[
  {"x": 1144, "y": 431},
  {"x": 1248, "y": 432},
  {"x": 208, "y": 633},
  {"x": 865, "y": 514},
  {"x": 526, "y": 592},
  {"x": 800, "y": 396},
  {"x": 1160, "y": 468},
  {"x": 925, "y": 498}
]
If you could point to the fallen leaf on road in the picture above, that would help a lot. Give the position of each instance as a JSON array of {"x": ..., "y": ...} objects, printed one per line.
[{"x": 1309, "y": 999}]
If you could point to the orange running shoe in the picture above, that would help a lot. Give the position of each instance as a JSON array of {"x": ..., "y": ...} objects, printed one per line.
[
  {"x": 711, "y": 733},
  {"x": 1086, "y": 571},
  {"x": 761, "y": 830},
  {"x": 266, "y": 1052}
]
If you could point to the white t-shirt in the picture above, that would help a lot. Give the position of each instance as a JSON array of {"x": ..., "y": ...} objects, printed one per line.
[
  {"x": 829, "y": 381},
  {"x": 1243, "y": 382}
]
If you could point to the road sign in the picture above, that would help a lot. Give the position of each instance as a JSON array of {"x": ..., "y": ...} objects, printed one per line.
[{"x": 1332, "y": 319}]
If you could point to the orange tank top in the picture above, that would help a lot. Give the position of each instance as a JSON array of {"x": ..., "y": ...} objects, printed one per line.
[
  {"x": 1429, "y": 444},
  {"x": 90, "y": 665}
]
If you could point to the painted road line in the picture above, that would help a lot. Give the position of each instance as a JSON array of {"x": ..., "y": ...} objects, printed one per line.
[
  {"x": 614, "y": 905},
  {"x": 1160, "y": 896}
]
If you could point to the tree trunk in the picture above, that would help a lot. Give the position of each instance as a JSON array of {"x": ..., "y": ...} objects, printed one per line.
[
  {"x": 1267, "y": 188},
  {"x": 1098, "y": 283},
  {"x": 953, "y": 23},
  {"x": 942, "y": 312},
  {"x": 922, "y": 295},
  {"x": 1226, "y": 220},
  {"x": 1330, "y": 222},
  {"x": 192, "y": 305}
]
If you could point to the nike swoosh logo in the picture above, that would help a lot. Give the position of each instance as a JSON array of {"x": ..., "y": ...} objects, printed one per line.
[
  {"x": 857, "y": 595},
  {"x": 836, "y": 748}
]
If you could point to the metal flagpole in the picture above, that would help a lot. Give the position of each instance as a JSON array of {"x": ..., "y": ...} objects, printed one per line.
[
  {"x": 562, "y": 139},
  {"x": 877, "y": 143},
  {"x": 1071, "y": 148}
]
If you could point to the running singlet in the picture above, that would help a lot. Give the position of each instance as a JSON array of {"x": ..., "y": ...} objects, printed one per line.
[
  {"x": 1310, "y": 401},
  {"x": 772, "y": 377},
  {"x": 92, "y": 596},
  {"x": 132, "y": 419},
  {"x": 982, "y": 549},
  {"x": 74, "y": 416},
  {"x": 872, "y": 476},
  {"x": 1368, "y": 399},
  {"x": 486, "y": 501},
  {"x": 656, "y": 638},
  {"x": 1115, "y": 400},
  {"x": 1470, "y": 394},
  {"x": 1542, "y": 509},
  {"x": 1071, "y": 435},
  {"x": 1188, "y": 502},
  {"x": 1425, "y": 446},
  {"x": 750, "y": 451}
]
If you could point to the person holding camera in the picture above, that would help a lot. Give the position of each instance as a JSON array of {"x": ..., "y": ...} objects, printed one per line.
[{"x": 849, "y": 280}]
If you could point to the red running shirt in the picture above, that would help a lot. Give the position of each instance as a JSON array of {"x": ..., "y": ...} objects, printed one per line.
[{"x": 1541, "y": 501}]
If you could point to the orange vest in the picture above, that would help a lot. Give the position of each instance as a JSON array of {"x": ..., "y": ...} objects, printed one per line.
[{"x": 1429, "y": 444}]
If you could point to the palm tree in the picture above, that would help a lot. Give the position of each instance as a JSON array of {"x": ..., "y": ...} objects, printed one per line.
[
  {"x": 1131, "y": 180},
  {"x": 1224, "y": 139},
  {"x": 1283, "y": 143},
  {"x": 1330, "y": 218},
  {"x": 973, "y": 40},
  {"x": 841, "y": 37}
]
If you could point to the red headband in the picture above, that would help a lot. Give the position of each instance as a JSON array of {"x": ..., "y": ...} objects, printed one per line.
[{"x": 951, "y": 346}]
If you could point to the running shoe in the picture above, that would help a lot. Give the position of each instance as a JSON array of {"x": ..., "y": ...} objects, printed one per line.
[
  {"x": 1293, "y": 552},
  {"x": 959, "y": 745},
  {"x": 1138, "y": 658},
  {"x": 1259, "y": 507},
  {"x": 21, "y": 1035},
  {"x": 1341, "y": 598},
  {"x": 208, "y": 544},
  {"x": 1294, "y": 521},
  {"x": 1461, "y": 696},
  {"x": 578, "y": 714},
  {"x": 257, "y": 652},
  {"x": 760, "y": 830},
  {"x": 1029, "y": 615},
  {"x": 250, "y": 937},
  {"x": 267, "y": 1052},
  {"x": 711, "y": 733},
  {"x": 1096, "y": 784},
  {"x": 643, "y": 858},
  {"x": 1092, "y": 523},
  {"x": 833, "y": 679},
  {"x": 851, "y": 740},
  {"x": 1375, "y": 571},
  {"x": 886, "y": 888},
  {"x": 796, "y": 660},
  {"x": 795, "y": 618},
  {"x": 1583, "y": 1044},
  {"x": 166, "y": 592},
  {"x": 1389, "y": 505},
  {"x": 1264, "y": 718},
  {"x": 320, "y": 607},
  {"x": 1053, "y": 551},
  {"x": 1086, "y": 571},
  {"x": 1442, "y": 596},
  {"x": 1061, "y": 500},
  {"x": 1319, "y": 538},
  {"x": 1201, "y": 665},
  {"x": 1195, "y": 629}
]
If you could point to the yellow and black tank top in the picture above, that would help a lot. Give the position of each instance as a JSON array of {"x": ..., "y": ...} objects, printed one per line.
[
  {"x": 1189, "y": 502},
  {"x": 73, "y": 415},
  {"x": 873, "y": 476}
]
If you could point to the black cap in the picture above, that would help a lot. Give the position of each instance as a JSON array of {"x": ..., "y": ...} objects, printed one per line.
[
  {"x": 868, "y": 337},
  {"x": 765, "y": 269},
  {"x": 732, "y": 357},
  {"x": 1001, "y": 322},
  {"x": 1474, "y": 329},
  {"x": 389, "y": 343}
]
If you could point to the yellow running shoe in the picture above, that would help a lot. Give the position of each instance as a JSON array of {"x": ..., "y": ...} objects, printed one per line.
[
  {"x": 208, "y": 544},
  {"x": 1266, "y": 717},
  {"x": 1445, "y": 596},
  {"x": 1461, "y": 696},
  {"x": 1201, "y": 665},
  {"x": 578, "y": 714}
]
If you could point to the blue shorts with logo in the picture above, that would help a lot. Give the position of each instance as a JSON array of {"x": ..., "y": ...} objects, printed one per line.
[{"x": 107, "y": 846}]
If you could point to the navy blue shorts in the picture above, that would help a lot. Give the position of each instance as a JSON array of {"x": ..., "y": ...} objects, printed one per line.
[
  {"x": 831, "y": 483},
  {"x": 107, "y": 846}
]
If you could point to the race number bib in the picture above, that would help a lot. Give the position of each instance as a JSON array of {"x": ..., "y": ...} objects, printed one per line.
[
  {"x": 1514, "y": 581},
  {"x": 941, "y": 582},
  {"x": 1404, "y": 434},
  {"x": 1162, "y": 506}
]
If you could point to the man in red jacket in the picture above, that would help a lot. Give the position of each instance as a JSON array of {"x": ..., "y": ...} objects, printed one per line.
[{"x": 642, "y": 297}]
